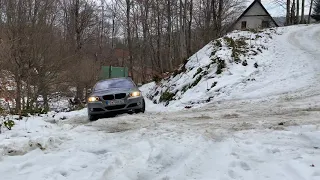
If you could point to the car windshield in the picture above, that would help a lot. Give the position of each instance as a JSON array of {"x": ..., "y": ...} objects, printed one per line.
[{"x": 114, "y": 83}]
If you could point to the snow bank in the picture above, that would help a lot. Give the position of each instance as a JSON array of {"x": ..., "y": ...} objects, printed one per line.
[{"x": 241, "y": 65}]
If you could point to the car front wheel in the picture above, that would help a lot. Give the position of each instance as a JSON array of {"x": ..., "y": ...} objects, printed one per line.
[
  {"x": 92, "y": 117},
  {"x": 143, "y": 109}
]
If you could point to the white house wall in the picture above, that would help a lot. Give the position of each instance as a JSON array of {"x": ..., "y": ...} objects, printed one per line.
[
  {"x": 254, "y": 18},
  {"x": 254, "y": 22}
]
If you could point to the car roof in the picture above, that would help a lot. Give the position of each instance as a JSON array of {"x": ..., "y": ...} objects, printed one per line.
[{"x": 118, "y": 78}]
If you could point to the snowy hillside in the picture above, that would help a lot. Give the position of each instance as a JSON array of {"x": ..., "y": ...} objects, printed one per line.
[{"x": 240, "y": 65}]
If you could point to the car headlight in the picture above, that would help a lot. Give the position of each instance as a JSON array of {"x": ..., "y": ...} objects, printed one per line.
[
  {"x": 93, "y": 99},
  {"x": 135, "y": 94}
]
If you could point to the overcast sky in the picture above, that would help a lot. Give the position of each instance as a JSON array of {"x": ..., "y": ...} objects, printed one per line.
[
  {"x": 276, "y": 10},
  {"x": 273, "y": 8}
]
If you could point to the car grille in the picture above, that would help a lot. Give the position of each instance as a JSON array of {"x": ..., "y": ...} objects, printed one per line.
[
  {"x": 97, "y": 110},
  {"x": 115, "y": 96},
  {"x": 120, "y": 95},
  {"x": 115, "y": 107},
  {"x": 133, "y": 105},
  {"x": 108, "y": 97}
]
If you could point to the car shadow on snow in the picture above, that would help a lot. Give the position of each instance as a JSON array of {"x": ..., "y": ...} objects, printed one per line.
[{"x": 116, "y": 123}]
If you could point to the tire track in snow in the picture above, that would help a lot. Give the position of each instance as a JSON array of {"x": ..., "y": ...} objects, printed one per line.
[{"x": 299, "y": 38}]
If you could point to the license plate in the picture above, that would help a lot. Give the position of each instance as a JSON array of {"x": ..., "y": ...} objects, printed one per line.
[{"x": 115, "y": 102}]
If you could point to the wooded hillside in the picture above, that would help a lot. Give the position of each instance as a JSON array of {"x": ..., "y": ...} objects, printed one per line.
[{"x": 52, "y": 45}]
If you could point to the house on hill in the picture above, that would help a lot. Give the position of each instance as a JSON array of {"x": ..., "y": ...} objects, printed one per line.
[{"x": 254, "y": 17}]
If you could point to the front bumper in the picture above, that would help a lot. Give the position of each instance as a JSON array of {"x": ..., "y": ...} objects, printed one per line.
[{"x": 99, "y": 108}]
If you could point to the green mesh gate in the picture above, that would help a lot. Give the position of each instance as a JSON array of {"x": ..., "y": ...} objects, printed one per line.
[{"x": 113, "y": 72}]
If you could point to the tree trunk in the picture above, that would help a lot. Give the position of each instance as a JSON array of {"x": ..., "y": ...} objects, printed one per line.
[
  {"x": 145, "y": 40},
  {"x": 207, "y": 32},
  {"x": 169, "y": 34},
  {"x": 298, "y": 10},
  {"x": 219, "y": 25},
  {"x": 182, "y": 23},
  {"x": 302, "y": 21},
  {"x": 18, "y": 94},
  {"x": 128, "y": 3},
  {"x": 310, "y": 10},
  {"x": 189, "y": 48},
  {"x": 214, "y": 15},
  {"x": 288, "y": 13},
  {"x": 293, "y": 12},
  {"x": 45, "y": 101},
  {"x": 79, "y": 89},
  {"x": 159, "y": 38},
  {"x": 186, "y": 28}
]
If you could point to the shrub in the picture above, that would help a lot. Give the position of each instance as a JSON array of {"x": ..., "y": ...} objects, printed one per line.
[
  {"x": 254, "y": 52},
  {"x": 32, "y": 111},
  {"x": 221, "y": 65},
  {"x": 196, "y": 81},
  {"x": 256, "y": 65},
  {"x": 230, "y": 42},
  {"x": 199, "y": 70},
  {"x": 244, "y": 63},
  {"x": 259, "y": 49},
  {"x": 166, "y": 96},
  {"x": 9, "y": 124},
  {"x": 213, "y": 53},
  {"x": 185, "y": 61},
  {"x": 241, "y": 43},
  {"x": 175, "y": 72},
  {"x": 237, "y": 47},
  {"x": 156, "y": 94},
  {"x": 253, "y": 30},
  {"x": 214, "y": 84},
  {"x": 218, "y": 43},
  {"x": 235, "y": 54},
  {"x": 156, "y": 78},
  {"x": 182, "y": 68},
  {"x": 185, "y": 88}
]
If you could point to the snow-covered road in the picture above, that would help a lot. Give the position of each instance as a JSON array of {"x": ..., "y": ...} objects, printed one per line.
[{"x": 270, "y": 138}]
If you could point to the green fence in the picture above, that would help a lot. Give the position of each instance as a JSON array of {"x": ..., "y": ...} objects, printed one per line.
[{"x": 113, "y": 72}]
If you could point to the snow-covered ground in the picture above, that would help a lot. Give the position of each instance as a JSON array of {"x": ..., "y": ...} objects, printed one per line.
[
  {"x": 257, "y": 131},
  {"x": 232, "y": 141}
]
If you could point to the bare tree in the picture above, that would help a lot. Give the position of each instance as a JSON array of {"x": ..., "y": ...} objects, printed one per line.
[
  {"x": 310, "y": 10},
  {"x": 128, "y": 15},
  {"x": 79, "y": 20},
  {"x": 288, "y": 22},
  {"x": 302, "y": 21},
  {"x": 189, "y": 43}
]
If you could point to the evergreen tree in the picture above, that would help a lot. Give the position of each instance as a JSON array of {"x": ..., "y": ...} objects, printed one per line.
[{"x": 316, "y": 10}]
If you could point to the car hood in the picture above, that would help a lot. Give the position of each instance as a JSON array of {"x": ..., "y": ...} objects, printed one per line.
[{"x": 113, "y": 91}]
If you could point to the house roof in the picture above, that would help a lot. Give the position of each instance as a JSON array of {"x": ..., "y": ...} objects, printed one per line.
[{"x": 251, "y": 5}]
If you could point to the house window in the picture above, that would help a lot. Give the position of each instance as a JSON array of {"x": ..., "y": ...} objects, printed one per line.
[
  {"x": 243, "y": 24},
  {"x": 265, "y": 24}
]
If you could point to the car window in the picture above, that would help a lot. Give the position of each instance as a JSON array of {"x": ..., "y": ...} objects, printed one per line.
[{"x": 114, "y": 83}]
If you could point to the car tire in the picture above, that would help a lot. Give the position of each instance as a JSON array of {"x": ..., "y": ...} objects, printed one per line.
[
  {"x": 92, "y": 117},
  {"x": 143, "y": 109}
]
